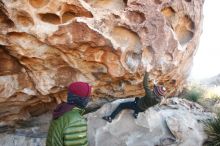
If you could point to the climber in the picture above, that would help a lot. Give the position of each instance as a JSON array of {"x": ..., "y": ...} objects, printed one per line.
[
  {"x": 68, "y": 127},
  {"x": 151, "y": 98}
]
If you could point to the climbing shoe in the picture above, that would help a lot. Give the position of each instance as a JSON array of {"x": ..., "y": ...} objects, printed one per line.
[
  {"x": 135, "y": 115},
  {"x": 107, "y": 118}
]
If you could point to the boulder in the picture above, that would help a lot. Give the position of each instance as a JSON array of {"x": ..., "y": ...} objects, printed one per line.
[
  {"x": 176, "y": 123},
  {"x": 47, "y": 44},
  {"x": 179, "y": 122}
]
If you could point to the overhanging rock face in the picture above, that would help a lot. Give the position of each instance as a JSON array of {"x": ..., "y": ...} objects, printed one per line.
[{"x": 46, "y": 44}]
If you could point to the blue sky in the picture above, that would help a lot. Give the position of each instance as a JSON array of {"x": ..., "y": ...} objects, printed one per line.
[{"x": 207, "y": 58}]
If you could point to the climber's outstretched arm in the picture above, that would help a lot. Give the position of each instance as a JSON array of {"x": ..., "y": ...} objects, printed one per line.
[{"x": 145, "y": 84}]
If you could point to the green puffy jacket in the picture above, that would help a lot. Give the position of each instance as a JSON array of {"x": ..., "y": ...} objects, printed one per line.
[{"x": 68, "y": 130}]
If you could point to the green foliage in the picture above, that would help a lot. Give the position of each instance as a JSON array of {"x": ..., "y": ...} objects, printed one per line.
[
  {"x": 212, "y": 128},
  {"x": 194, "y": 93}
]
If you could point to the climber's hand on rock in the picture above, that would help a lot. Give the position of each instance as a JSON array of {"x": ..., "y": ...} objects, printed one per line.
[
  {"x": 135, "y": 115},
  {"x": 136, "y": 99},
  {"x": 155, "y": 82}
]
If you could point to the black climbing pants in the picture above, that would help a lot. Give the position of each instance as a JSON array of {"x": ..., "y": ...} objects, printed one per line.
[{"x": 126, "y": 105}]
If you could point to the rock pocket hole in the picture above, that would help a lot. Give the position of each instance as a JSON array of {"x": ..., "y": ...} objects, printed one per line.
[
  {"x": 50, "y": 18},
  {"x": 72, "y": 11},
  {"x": 126, "y": 38},
  {"x": 184, "y": 29},
  {"x": 38, "y": 3},
  {"x": 8, "y": 65},
  {"x": 108, "y": 4},
  {"x": 5, "y": 21},
  {"x": 168, "y": 12},
  {"x": 184, "y": 35},
  {"x": 23, "y": 18},
  {"x": 68, "y": 16},
  {"x": 136, "y": 17}
]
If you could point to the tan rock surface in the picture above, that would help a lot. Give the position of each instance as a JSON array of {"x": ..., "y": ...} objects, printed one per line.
[{"x": 47, "y": 44}]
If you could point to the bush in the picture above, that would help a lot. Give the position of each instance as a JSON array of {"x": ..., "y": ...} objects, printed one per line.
[
  {"x": 194, "y": 94},
  {"x": 212, "y": 128}
]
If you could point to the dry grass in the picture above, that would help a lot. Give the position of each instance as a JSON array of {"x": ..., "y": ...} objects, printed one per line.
[{"x": 212, "y": 128}]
